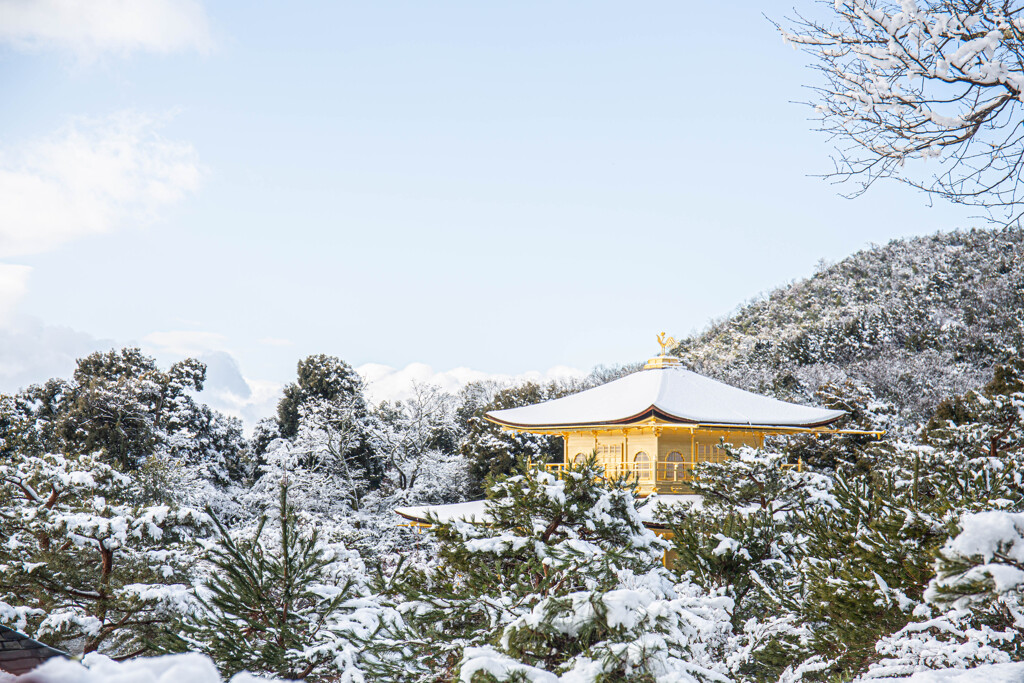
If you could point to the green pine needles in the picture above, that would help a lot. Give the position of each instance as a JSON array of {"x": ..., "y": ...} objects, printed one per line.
[
  {"x": 561, "y": 579},
  {"x": 279, "y": 601}
]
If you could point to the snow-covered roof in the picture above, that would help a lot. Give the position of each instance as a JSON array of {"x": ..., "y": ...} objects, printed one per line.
[
  {"x": 672, "y": 394},
  {"x": 476, "y": 511}
]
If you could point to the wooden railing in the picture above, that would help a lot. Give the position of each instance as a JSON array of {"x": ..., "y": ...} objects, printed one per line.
[
  {"x": 673, "y": 477},
  {"x": 668, "y": 476}
]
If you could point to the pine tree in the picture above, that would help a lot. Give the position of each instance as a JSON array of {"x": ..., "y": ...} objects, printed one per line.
[
  {"x": 86, "y": 565},
  {"x": 743, "y": 541},
  {"x": 280, "y": 602},
  {"x": 563, "y": 577}
]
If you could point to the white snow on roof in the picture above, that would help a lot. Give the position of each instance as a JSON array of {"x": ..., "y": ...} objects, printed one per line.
[
  {"x": 475, "y": 511},
  {"x": 472, "y": 511},
  {"x": 677, "y": 392}
]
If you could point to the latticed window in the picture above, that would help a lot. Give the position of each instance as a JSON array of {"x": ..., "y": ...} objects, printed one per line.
[
  {"x": 642, "y": 463},
  {"x": 708, "y": 452},
  {"x": 674, "y": 468},
  {"x": 609, "y": 450}
]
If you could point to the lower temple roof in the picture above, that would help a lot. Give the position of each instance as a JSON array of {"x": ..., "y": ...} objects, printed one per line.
[{"x": 19, "y": 654}]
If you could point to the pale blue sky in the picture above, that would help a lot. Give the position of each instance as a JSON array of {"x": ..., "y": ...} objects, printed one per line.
[{"x": 500, "y": 186}]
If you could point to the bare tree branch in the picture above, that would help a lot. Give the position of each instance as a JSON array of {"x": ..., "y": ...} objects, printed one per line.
[{"x": 926, "y": 93}]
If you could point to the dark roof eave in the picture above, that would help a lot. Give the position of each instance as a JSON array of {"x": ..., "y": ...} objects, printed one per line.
[
  {"x": 654, "y": 412},
  {"x": 20, "y": 654}
]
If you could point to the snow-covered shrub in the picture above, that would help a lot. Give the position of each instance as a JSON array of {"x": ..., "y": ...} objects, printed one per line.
[
  {"x": 564, "y": 581},
  {"x": 946, "y": 641}
]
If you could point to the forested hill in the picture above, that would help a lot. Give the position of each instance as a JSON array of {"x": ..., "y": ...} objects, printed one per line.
[{"x": 914, "y": 321}]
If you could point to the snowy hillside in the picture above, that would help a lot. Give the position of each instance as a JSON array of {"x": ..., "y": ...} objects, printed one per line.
[{"x": 916, "y": 320}]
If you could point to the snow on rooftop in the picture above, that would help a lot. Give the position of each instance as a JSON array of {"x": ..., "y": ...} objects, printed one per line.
[
  {"x": 475, "y": 511},
  {"x": 673, "y": 393}
]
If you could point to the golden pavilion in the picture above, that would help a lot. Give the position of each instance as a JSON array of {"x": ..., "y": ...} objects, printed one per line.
[{"x": 659, "y": 423}]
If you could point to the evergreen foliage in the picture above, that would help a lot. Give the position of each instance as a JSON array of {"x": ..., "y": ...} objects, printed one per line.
[
  {"x": 123, "y": 407},
  {"x": 326, "y": 398},
  {"x": 85, "y": 564},
  {"x": 320, "y": 377},
  {"x": 564, "y": 578},
  {"x": 282, "y": 603}
]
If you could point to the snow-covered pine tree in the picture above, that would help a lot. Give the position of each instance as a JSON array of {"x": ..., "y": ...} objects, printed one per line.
[
  {"x": 865, "y": 562},
  {"x": 981, "y": 436},
  {"x": 981, "y": 570},
  {"x": 324, "y": 382},
  {"x": 743, "y": 541},
  {"x": 120, "y": 406},
  {"x": 322, "y": 460},
  {"x": 86, "y": 564},
  {"x": 562, "y": 580},
  {"x": 280, "y": 601}
]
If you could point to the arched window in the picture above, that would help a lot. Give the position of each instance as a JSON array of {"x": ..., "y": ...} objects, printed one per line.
[
  {"x": 579, "y": 459},
  {"x": 674, "y": 468},
  {"x": 642, "y": 465}
]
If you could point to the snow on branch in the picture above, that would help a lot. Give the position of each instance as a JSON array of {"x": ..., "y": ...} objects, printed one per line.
[{"x": 907, "y": 80}]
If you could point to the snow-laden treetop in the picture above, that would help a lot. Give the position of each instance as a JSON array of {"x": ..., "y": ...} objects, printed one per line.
[{"x": 671, "y": 394}]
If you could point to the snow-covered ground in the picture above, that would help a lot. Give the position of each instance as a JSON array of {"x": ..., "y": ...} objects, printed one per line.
[
  {"x": 184, "y": 668},
  {"x": 196, "y": 668},
  {"x": 991, "y": 673}
]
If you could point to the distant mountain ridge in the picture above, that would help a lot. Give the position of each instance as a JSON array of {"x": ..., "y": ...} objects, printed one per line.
[{"x": 915, "y": 320}]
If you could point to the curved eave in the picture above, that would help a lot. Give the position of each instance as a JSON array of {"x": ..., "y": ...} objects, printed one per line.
[
  {"x": 659, "y": 418},
  {"x": 412, "y": 518}
]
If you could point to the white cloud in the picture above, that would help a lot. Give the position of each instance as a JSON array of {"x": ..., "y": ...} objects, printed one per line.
[
  {"x": 260, "y": 403},
  {"x": 32, "y": 352},
  {"x": 384, "y": 383},
  {"x": 230, "y": 392},
  {"x": 89, "y": 178},
  {"x": 13, "y": 286},
  {"x": 275, "y": 341},
  {"x": 185, "y": 342},
  {"x": 91, "y": 27}
]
